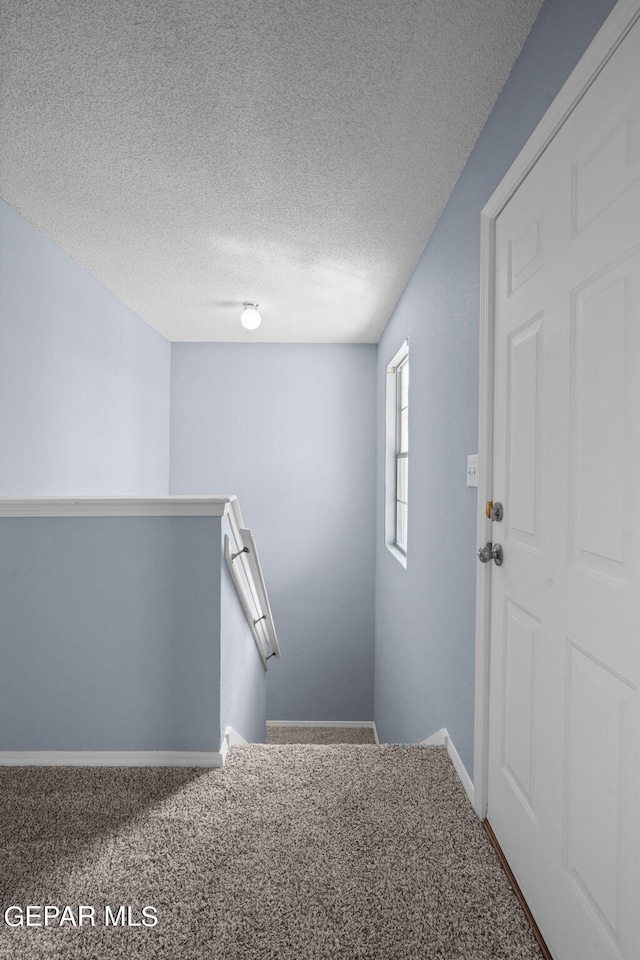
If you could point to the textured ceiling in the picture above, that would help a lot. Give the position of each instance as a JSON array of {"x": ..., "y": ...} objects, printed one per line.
[{"x": 193, "y": 154}]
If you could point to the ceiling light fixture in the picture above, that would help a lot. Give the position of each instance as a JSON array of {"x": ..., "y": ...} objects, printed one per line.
[{"x": 250, "y": 318}]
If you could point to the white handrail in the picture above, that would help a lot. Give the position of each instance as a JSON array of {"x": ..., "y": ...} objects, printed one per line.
[{"x": 244, "y": 565}]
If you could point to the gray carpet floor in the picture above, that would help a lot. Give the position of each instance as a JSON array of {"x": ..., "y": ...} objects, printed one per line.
[
  {"x": 319, "y": 735},
  {"x": 305, "y": 852}
]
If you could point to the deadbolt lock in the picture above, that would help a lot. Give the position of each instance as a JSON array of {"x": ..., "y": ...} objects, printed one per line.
[{"x": 494, "y": 511}]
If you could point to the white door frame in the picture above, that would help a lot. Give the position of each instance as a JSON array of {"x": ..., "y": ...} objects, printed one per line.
[{"x": 605, "y": 42}]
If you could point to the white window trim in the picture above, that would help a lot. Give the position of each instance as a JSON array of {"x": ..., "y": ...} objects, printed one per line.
[{"x": 391, "y": 433}]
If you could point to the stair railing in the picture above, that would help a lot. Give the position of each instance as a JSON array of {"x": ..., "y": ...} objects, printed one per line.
[{"x": 242, "y": 559}]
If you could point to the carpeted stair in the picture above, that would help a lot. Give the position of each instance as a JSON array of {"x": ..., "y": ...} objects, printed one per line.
[{"x": 277, "y": 733}]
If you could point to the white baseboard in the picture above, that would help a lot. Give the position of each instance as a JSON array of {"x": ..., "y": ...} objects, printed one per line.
[
  {"x": 441, "y": 738},
  {"x": 367, "y": 724},
  {"x": 122, "y": 758},
  {"x": 110, "y": 758},
  {"x": 460, "y": 769},
  {"x": 231, "y": 739},
  {"x": 437, "y": 739}
]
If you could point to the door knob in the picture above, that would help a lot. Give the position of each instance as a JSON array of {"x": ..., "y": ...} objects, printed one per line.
[{"x": 491, "y": 551}]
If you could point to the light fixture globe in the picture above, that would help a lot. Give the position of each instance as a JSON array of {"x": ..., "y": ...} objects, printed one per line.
[{"x": 250, "y": 318}]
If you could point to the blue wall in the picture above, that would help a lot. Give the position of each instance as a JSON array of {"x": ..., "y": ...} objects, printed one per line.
[
  {"x": 424, "y": 651},
  {"x": 290, "y": 429},
  {"x": 110, "y": 633},
  {"x": 85, "y": 395},
  {"x": 84, "y": 382}
]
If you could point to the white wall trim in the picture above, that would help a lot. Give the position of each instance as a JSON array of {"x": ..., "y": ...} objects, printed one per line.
[
  {"x": 437, "y": 739},
  {"x": 235, "y": 739},
  {"x": 614, "y": 29},
  {"x": 231, "y": 739},
  {"x": 110, "y": 758},
  {"x": 460, "y": 769},
  {"x": 441, "y": 738},
  {"x": 216, "y": 506}
]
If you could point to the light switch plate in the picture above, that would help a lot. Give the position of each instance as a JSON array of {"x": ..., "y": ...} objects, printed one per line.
[{"x": 472, "y": 470}]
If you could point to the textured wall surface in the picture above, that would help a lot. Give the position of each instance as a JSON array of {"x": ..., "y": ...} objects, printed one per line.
[
  {"x": 110, "y": 633},
  {"x": 84, "y": 382},
  {"x": 243, "y": 680},
  {"x": 290, "y": 429},
  {"x": 425, "y": 615}
]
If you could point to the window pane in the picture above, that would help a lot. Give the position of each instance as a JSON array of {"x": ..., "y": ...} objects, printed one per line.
[
  {"x": 403, "y": 372},
  {"x": 401, "y": 526},
  {"x": 397, "y": 449},
  {"x": 401, "y": 479},
  {"x": 403, "y": 424}
]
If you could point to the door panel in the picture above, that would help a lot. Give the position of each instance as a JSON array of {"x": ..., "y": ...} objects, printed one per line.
[
  {"x": 518, "y": 698},
  {"x": 607, "y": 163},
  {"x": 526, "y": 252},
  {"x": 598, "y": 717},
  {"x": 524, "y": 413},
  {"x": 604, "y": 420}
]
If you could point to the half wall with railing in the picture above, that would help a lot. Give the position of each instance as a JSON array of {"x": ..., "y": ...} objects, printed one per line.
[{"x": 132, "y": 630}]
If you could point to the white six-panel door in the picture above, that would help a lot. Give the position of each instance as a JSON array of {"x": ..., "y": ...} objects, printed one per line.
[{"x": 564, "y": 741}]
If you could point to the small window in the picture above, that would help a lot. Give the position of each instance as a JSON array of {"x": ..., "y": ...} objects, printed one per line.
[{"x": 397, "y": 454}]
